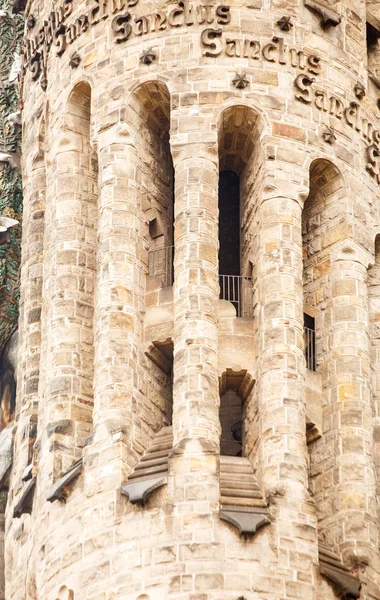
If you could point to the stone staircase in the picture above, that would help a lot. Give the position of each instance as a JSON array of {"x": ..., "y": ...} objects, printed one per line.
[
  {"x": 151, "y": 471},
  {"x": 241, "y": 501}
]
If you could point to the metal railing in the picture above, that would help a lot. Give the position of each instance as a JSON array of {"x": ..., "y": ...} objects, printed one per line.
[
  {"x": 160, "y": 264},
  {"x": 310, "y": 356},
  {"x": 237, "y": 289}
]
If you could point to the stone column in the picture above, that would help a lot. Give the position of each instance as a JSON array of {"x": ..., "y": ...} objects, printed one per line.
[
  {"x": 29, "y": 331},
  {"x": 196, "y": 293},
  {"x": 120, "y": 301},
  {"x": 66, "y": 412},
  {"x": 281, "y": 347},
  {"x": 349, "y": 426},
  {"x": 280, "y": 381}
]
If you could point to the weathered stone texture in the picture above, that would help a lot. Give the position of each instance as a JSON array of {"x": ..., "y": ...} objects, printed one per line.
[{"x": 123, "y": 331}]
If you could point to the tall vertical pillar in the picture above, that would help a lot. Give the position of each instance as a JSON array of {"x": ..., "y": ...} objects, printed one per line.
[
  {"x": 119, "y": 302},
  {"x": 31, "y": 300},
  {"x": 196, "y": 293},
  {"x": 70, "y": 284},
  {"x": 281, "y": 390},
  {"x": 350, "y": 425}
]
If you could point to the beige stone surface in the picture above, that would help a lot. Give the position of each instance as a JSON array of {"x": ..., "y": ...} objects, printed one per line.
[{"x": 122, "y": 330}]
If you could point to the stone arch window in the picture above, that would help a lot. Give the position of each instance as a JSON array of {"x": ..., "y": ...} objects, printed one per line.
[
  {"x": 239, "y": 129},
  {"x": 149, "y": 118}
]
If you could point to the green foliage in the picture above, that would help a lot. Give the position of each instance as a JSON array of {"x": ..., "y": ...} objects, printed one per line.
[{"x": 11, "y": 31}]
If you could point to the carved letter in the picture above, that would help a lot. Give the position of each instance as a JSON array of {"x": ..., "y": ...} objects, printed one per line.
[
  {"x": 336, "y": 107},
  {"x": 93, "y": 16},
  {"x": 223, "y": 14},
  {"x": 352, "y": 115},
  {"x": 35, "y": 65},
  {"x": 121, "y": 28},
  {"x": 373, "y": 166},
  {"x": 142, "y": 26},
  {"x": 204, "y": 14},
  {"x": 233, "y": 47},
  {"x": 60, "y": 39},
  {"x": 251, "y": 49},
  {"x": 297, "y": 58},
  {"x": 67, "y": 8},
  {"x": 189, "y": 20},
  {"x": 158, "y": 21},
  {"x": 176, "y": 12},
  {"x": 208, "y": 39},
  {"x": 267, "y": 50},
  {"x": 376, "y": 137},
  {"x": 321, "y": 101},
  {"x": 302, "y": 83},
  {"x": 314, "y": 64}
]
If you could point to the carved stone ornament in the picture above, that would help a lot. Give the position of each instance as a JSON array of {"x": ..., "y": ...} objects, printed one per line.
[
  {"x": 61, "y": 488},
  {"x": 151, "y": 471},
  {"x": 329, "y": 135},
  {"x": 31, "y": 22},
  {"x": 74, "y": 60},
  {"x": 285, "y": 23},
  {"x": 332, "y": 567},
  {"x": 147, "y": 56},
  {"x": 329, "y": 17},
  {"x": 240, "y": 81},
  {"x": 359, "y": 90}
]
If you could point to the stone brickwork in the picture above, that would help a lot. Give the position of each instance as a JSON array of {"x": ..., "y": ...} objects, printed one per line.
[{"x": 131, "y": 110}]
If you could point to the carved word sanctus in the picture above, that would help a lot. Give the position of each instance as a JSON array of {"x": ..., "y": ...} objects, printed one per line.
[
  {"x": 275, "y": 51},
  {"x": 184, "y": 14},
  {"x": 349, "y": 112}
]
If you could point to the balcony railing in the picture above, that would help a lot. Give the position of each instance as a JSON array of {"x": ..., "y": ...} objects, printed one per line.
[
  {"x": 160, "y": 264},
  {"x": 237, "y": 289},
  {"x": 234, "y": 288},
  {"x": 310, "y": 356}
]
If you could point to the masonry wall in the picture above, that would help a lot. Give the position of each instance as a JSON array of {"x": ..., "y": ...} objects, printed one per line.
[{"x": 166, "y": 95}]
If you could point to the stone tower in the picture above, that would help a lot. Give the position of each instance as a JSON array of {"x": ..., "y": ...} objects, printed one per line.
[{"x": 198, "y": 388}]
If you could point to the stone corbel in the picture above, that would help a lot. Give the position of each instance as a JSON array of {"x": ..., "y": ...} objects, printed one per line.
[
  {"x": 329, "y": 18},
  {"x": 332, "y": 567},
  {"x": 138, "y": 490},
  {"x": 61, "y": 488},
  {"x": 248, "y": 520},
  {"x": 25, "y": 504}
]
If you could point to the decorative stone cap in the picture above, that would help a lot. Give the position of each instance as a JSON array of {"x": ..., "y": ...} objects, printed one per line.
[{"x": 331, "y": 566}]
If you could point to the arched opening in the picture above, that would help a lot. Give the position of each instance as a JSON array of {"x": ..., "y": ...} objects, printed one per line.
[
  {"x": 149, "y": 116},
  {"x": 238, "y": 169},
  {"x": 239, "y": 179},
  {"x": 231, "y": 421},
  {"x": 323, "y": 226}
]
